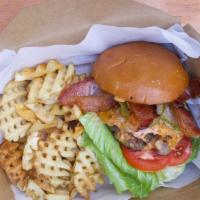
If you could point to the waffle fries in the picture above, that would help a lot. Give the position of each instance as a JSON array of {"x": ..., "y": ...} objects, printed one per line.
[
  {"x": 25, "y": 113},
  {"x": 34, "y": 88},
  {"x": 54, "y": 83},
  {"x": 28, "y": 154},
  {"x": 46, "y": 159},
  {"x": 10, "y": 161},
  {"x": 34, "y": 191},
  {"x": 87, "y": 173},
  {"x": 13, "y": 125},
  {"x": 41, "y": 111},
  {"x": 66, "y": 146},
  {"x": 40, "y": 70},
  {"x": 43, "y": 182}
]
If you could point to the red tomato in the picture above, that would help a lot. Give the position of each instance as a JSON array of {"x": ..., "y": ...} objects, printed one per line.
[
  {"x": 150, "y": 161},
  {"x": 181, "y": 153}
]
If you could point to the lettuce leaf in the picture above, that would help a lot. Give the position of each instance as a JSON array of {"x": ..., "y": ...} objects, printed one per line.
[
  {"x": 124, "y": 109},
  {"x": 195, "y": 148},
  {"x": 116, "y": 176},
  {"x": 99, "y": 139}
]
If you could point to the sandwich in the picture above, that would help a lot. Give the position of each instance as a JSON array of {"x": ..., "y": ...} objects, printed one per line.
[{"x": 136, "y": 119}]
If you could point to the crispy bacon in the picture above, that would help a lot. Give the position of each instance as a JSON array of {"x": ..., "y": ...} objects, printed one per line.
[
  {"x": 87, "y": 95},
  {"x": 132, "y": 123},
  {"x": 185, "y": 96},
  {"x": 144, "y": 113},
  {"x": 195, "y": 87},
  {"x": 185, "y": 121},
  {"x": 192, "y": 91}
]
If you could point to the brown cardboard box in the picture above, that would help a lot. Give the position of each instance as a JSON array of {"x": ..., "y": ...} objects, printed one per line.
[{"x": 67, "y": 22}]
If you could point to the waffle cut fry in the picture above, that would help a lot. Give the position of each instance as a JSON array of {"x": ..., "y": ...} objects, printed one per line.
[
  {"x": 47, "y": 81},
  {"x": 48, "y": 159},
  {"x": 78, "y": 77},
  {"x": 39, "y": 126},
  {"x": 43, "y": 182},
  {"x": 57, "y": 197},
  {"x": 34, "y": 191},
  {"x": 41, "y": 111},
  {"x": 25, "y": 113},
  {"x": 87, "y": 173},
  {"x": 13, "y": 125},
  {"x": 70, "y": 113},
  {"x": 10, "y": 161},
  {"x": 28, "y": 153},
  {"x": 61, "y": 194},
  {"x": 34, "y": 88},
  {"x": 66, "y": 146},
  {"x": 73, "y": 129},
  {"x": 34, "y": 72},
  {"x": 54, "y": 83}
]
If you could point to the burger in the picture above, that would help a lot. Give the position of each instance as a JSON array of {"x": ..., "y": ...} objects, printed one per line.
[{"x": 136, "y": 119}]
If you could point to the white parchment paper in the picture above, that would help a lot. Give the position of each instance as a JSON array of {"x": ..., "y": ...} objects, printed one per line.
[{"x": 99, "y": 38}]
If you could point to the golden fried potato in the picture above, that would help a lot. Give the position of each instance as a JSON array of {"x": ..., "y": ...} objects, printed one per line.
[
  {"x": 25, "y": 113},
  {"x": 87, "y": 173},
  {"x": 29, "y": 150},
  {"x": 41, "y": 111},
  {"x": 38, "y": 126},
  {"x": 34, "y": 89},
  {"x": 43, "y": 182},
  {"x": 30, "y": 73},
  {"x": 67, "y": 147},
  {"x": 57, "y": 197},
  {"x": 38, "y": 71},
  {"x": 69, "y": 113},
  {"x": 34, "y": 191},
  {"x": 59, "y": 182},
  {"x": 13, "y": 126},
  {"x": 47, "y": 162},
  {"x": 54, "y": 83},
  {"x": 10, "y": 161}
]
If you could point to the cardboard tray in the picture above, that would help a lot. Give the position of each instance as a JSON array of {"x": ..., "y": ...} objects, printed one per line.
[{"x": 67, "y": 22}]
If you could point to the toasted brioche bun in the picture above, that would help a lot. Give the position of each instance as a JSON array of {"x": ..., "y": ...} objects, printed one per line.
[{"x": 141, "y": 72}]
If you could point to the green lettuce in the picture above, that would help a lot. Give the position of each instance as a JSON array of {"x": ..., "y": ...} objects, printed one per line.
[
  {"x": 116, "y": 176},
  {"x": 195, "y": 148},
  {"x": 124, "y": 109},
  {"x": 99, "y": 139}
]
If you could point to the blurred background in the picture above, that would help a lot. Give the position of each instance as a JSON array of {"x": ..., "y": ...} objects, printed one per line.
[{"x": 187, "y": 10}]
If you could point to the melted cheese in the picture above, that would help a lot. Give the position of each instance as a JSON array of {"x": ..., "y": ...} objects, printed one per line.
[
  {"x": 112, "y": 117},
  {"x": 162, "y": 130}
]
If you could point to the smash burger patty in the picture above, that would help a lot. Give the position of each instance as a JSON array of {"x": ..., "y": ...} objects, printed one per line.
[{"x": 138, "y": 90}]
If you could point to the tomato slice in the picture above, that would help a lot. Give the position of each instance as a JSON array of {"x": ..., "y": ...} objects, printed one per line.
[
  {"x": 151, "y": 161},
  {"x": 181, "y": 153},
  {"x": 148, "y": 161}
]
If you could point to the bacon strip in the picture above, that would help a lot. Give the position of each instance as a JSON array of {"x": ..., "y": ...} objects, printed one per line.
[
  {"x": 192, "y": 91},
  {"x": 185, "y": 121},
  {"x": 87, "y": 95},
  {"x": 195, "y": 87},
  {"x": 144, "y": 113},
  {"x": 185, "y": 96}
]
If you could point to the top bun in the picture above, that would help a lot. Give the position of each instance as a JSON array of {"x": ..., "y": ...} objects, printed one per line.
[{"x": 141, "y": 72}]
